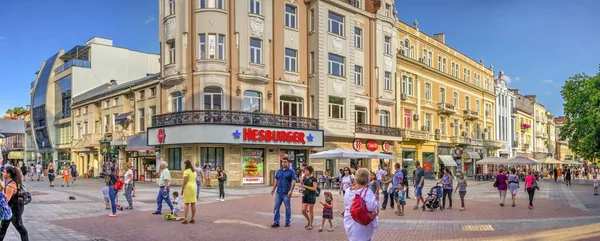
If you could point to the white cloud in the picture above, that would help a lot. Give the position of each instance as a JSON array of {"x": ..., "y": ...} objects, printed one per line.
[
  {"x": 506, "y": 79},
  {"x": 149, "y": 20},
  {"x": 548, "y": 81},
  {"x": 517, "y": 78}
]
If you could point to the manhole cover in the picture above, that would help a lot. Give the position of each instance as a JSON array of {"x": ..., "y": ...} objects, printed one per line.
[{"x": 477, "y": 228}]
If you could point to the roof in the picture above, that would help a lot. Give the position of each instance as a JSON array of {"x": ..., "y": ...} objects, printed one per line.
[{"x": 106, "y": 89}]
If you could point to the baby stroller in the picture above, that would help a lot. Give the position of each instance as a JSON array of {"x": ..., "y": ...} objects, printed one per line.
[{"x": 432, "y": 201}]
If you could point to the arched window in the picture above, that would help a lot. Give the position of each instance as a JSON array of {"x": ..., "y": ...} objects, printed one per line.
[
  {"x": 291, "y": 106},
  {"x": 177, "y": 101},
  {"x": 406, "y": 47},
  {"x": 252, "y": 101},
  {"x": 213, "y": 98}
]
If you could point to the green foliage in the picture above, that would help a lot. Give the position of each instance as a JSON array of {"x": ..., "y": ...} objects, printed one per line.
[
  {"x": 18, "y": 110},
  {"x": 581, "y": 94}
]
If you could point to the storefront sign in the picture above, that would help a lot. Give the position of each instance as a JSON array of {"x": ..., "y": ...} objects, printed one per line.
[
  {"x": 274, "y": 136},
  {"x": 372, "y": 145},
  {"x": 356, "y": 144},
  {"x": 385, "y": 146},
  {"x": 252, "y": 166},
  {"x": 161, "y": 136}
]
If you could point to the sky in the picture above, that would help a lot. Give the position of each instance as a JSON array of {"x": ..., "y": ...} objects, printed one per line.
[{"x": 537, "y": 43}]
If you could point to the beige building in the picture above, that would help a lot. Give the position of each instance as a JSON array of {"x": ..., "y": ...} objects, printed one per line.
[
  {"x": 274, "y": 80},
  {"x": 110, "y": 121},
  {"x": 563, "y": 152}
]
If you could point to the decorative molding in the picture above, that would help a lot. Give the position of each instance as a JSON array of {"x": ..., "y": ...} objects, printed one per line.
[
  {"x": 337, "y": 45},
  {"x": 338, "y": 86},
  {"x": 220, "y": 67},
  {"x": 257, "y": 70},
  {"x": 170, "y": 71},
  {"x": 291, "y": 77},
  {"x": 256, "y": 25},
  {"x": 388, "y": 63},
  {"x": 170, "y": 25}
]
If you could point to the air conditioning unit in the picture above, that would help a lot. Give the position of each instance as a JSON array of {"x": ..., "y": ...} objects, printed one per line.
[
  {"x": 401, "y": 51},
  {"x": 438, "y": 131},
  {"x": 438, "y": 136},
  {"x": 461, "y": 126},
  {"x": 464, "y": 133},
  {"x": 487, "y": 113},
  {"x": 416, "y": 117},
  {"x": 403, "y": 96},
  {"x": 483, "y": 136},
  {"x": 485, "y": 130},
  {"x": 452, "y": 124},
  {"x": 424, "y": 128},
  {"x": 422, "y": 59}
]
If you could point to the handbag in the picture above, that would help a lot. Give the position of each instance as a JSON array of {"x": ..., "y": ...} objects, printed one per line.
[
  {"x": 496, "y": 182},
  {"x": 535, "y": 186},
  {"x": 359, "y": 211}
]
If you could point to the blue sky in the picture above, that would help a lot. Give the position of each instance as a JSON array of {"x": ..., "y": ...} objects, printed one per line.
[{"x": 538, "y": 44}]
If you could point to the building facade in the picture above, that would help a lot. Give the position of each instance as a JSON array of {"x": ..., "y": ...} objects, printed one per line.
[
  {"x": 447, "y": 104},
  {"x": 562, "y": 146},
  {"x": 506, "y": 113},
  {"x": 14, "y": 146},
  {"x": 524, "y": 125},
  {"x": 541, "y": 131},
  {"x": 70, "y": 73}
]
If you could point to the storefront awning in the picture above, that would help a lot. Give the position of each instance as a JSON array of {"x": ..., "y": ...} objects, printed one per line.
[
  {"x": 138, "y": 143},
  {"x": 447, "y": 160},
  {"x": 122, "y": 117},
  {"x": 471, "y": 155},
  {"x": 15, "y": 155}
]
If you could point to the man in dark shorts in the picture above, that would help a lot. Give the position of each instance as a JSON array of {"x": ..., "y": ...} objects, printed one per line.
[
  {"x": 285, "y": 180},
  {"x": 405, "y": 179},
  {"x": 419, "y": 183}
]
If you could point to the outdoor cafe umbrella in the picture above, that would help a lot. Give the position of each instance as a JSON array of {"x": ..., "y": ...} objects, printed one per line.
[
  {"x": 339, "y": 153},
  {"x": 571, "y": 162},
  {"x": 494, "y": 160},
  {"x": 378, "y": 155},
  {"x": 521, "y": 160},
  {"x": 550, "y": 160}
]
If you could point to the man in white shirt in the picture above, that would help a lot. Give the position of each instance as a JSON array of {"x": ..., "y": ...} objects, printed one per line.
[
  {"x": 164, "y": 191},
  {"x": 38, "y": 171},
  {"x": 379, "y": 175}
]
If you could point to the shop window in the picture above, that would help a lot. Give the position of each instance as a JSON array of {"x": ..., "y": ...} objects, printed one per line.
[
  {"x": 408, "y": 159},
  {"x": 295, "y": 157},
  {"x": 252, "y": 166},
  {"x": 213, "y": 156},
  {"x": 174, "y": 158}
]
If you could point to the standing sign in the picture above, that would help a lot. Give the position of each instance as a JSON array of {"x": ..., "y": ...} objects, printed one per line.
[
  {"x": 252, "y": 166},
  {"x": 372, "y": 145}
]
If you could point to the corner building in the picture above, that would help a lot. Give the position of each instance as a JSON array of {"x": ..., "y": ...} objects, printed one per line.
[{"x": 243, "y": 86}]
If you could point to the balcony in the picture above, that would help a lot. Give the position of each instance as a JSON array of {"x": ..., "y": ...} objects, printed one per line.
[
  {"x": 476, "y": 142},
  {"x": 12, "y": 146},
  {"x": 461, "y": 140},
  {"x": 539, "y": 134},
  {"x": 446, "y": 109},
  {"x": 234, "y": 118},
  {"x": 415, "y": 135},
  {"x": 378, "y": 130},
  {"x": 491, "y": 144},
  {"x": 355, "y": 3},
  {"x": 71, "y": 63},
  {"x": 471, "y": 115},
  {"x": 538, "y": 119}
]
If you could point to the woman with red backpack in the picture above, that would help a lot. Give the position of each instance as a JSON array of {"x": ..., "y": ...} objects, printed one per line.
[{"x": 360, "y": 203}]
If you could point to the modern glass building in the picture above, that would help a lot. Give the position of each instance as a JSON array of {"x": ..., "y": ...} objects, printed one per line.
[{"x": 39, "y": 114}]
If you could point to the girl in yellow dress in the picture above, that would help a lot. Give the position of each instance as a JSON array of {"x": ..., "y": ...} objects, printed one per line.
[{"x": 188, "y": 191}]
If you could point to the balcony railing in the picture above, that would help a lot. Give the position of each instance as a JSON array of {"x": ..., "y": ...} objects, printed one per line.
[
  {"x": 476, "y": 142},
  {"x": 71, "y": 63},
  {"x": 471, "y": 114},
  {"x": 415, "y": 135},
  {"x": 378, "y": 130},
  {"x": 493, "y": 144},
  {"x": 355, "y": 3},
  {"x": 446, "y": 108},
  {"x": 538, "y": 119},
  {"x": 235, "y": 118},
  {"x": 461, "y": 140}
]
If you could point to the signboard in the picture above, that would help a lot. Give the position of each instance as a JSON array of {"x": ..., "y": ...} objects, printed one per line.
[
  {"x": 252, "y": 166},
  {"x": 356, "y": 144},
  {"x": 372, "y": 145},
  {"x": 385, "y": 146}
]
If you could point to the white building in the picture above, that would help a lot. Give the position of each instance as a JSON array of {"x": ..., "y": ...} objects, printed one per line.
[{"x": 505, "y": 117}]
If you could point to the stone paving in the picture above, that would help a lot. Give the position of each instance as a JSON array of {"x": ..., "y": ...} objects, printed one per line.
[{"x": 248, "y": 212}]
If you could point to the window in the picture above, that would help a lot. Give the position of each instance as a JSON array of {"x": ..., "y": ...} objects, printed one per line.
[
  {"x": 466, "y": 74},
  {"x": 115, "y": 101},
  {"x": 152, "y": 91},
  {"x": 384, "y": 118},
  {"x": 443, "y": 125},
  {"x": 442, "y": 95},
  {"x": 428, "y": 122},
  {"x": 336, "y": 65},
  {"x": 171, "y": 47},
  {"x": 424, "y": 56},
  {"x": 291, "y": 106},
  {"x": 78, "y": 131},
  {"x": 141, "y": 120},
  {"x": 214, "y": 49},
  {"x": 142, "y": 94},
  {"x": 106, "y": 104},
  {"x": 360, "y": 114},
  {"x": 152, "y": 110},
  {"x": 252, "y": 101},
  {"x": 467, "y": 104},
  {"x": 221, "y": 47},
  {"x": 412, "y": 52},
  {"x": 213, "y": 98},
  {"x": 388, "y": 10},
  {"x": 171, "y": 7},
  {"x": 202, "y": 47},
  {"x": 290, "y": 16},
  {"x": 255, "y": 6},
  {"x": 255, "y": 50},
  {"x": 65, "y": 96},
  {"x": 312, "y": 62},
  {"x": 477, "y": 106},
  {"x": 112, "y": 121},
  {"x": 468, "y": 129},
  {"x": 177, "y": 101},
  {"x": 387, "y": 45},
  {"x": 218, "y": 4},
  {"x": 357, "y": 37},
  {"x": 453, "y": 70},
  {"x": 358, "y": 75},
  {"x": 336, "y": 107},
  {"x": 290, "y": 60},
  {"x": 407, "y": 119},
  {"x": 444, "y": 65},
  {"x": 439, "y": 62},
  {"x": 410, "y": 86},
  {"x": 407, "y": 48},
  {"x": 85, "y": 110},
  {"x": 174, "y": 160},
  {"x": 455, "y": 129},
  {"x": 336, "y": 24},
  {"x": 212, "y": 156},
  {"x": 312, "y": 20},
  {"x": 457, "y": 71},
  {"x": 407, "y": 85},
  {"x": 387, "y": 80},
  {"x": 430, "y": 59},
  {"x": 428, "y": 91},
  {"x": 78, "y": 112},
  {"x": 487, "y": 84},
  {"x": 455, "y": 100}
]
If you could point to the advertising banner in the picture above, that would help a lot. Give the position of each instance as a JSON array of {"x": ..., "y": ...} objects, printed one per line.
[{"x": 252, "y": 166}]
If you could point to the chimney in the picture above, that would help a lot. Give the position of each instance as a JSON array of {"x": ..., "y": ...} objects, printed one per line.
[{"x": 440, "y": 37}]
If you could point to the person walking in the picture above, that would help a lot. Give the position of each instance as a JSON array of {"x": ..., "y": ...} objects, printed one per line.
[
  {"x": 164, "y": 190},
  {"x": 51, "y": 174},
  {"x": 447, "y": 188},
  {"x": 419, "y": 183},
  {"x": 12, "y": 191},
  {"x": 188, "y": 190},
  {"x": 513, "y": 185},
  {"x": 285, "y": 181},
  {"x": 396, "y": 181},
  {"x": 309, "y": 196},
  {"x": 405, "y": 180},
  {"x": 73, "y": 168},
  {"x": 386, "y": 188},
  {"x": 501, "y": 184},
  {"x": 555, "y": 174},
  {"x": 128, "y": 185},
  {"x": 38, "y": 171},
  {"x": 346, "y": 181},
  {"x": 356, "y": 231},
  {"x": 568, "y": 177},
  {"x": 461, "y": 187},
  {"x": 530, "y": 187},
  {"x": 379, "y": 173},
  {"x": 31, "y": 171},
  {"x": 221, "y": 177},
  {"x": 110, "y": 179},
  {"x": 199, "y": 178},
  {"x": 24, "y": 171},
  {"x": 207, "y": 174}
]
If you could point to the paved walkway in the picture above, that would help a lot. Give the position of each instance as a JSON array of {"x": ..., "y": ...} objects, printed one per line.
[{"x": 248, "y": 213}]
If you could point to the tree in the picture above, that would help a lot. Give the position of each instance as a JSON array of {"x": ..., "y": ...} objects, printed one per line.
[
  {"x": 18, "y": 110},
  {"x": 581, "y": 94}
]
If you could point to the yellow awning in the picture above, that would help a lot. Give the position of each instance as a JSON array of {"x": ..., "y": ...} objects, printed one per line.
[{"x": 16, "y": 155}]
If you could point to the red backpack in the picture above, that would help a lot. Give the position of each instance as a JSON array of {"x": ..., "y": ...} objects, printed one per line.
[
  {"x": 119, "y": 184},
  {"x": 359, "y": 211}
]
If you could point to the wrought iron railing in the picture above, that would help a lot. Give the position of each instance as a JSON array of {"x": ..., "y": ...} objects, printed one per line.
[
  {"x": 235, "y": 118},
  {"x": 378, "y": 130},
  {"x": 414, "y": 134},
  {"x": 355, "y": 3}
]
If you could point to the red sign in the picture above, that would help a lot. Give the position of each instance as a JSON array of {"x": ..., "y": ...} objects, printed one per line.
[
  {"x": 251, "y": 134},
  {"x": 356, "y": 144},
  {"x": 161, "y": 136},
  {"x": 385, "y": 146},
  {"x": 372, "y": 145}
]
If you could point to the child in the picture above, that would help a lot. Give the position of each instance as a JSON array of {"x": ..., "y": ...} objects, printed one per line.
[
  {"x": 176, "y": 205},
  {"x": 401, "y": 198},
  {"x": 65, "y": 174},
  {"x": 106, "y": 198},
  {"x": 327, "y": 211},
  {"x": 596, "y": 185},
  {"x": 461, "y": 187},
  {"x": 433, "y": 196}
]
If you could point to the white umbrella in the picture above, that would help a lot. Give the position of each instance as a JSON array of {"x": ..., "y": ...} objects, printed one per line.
[
  {"x": 550, "y": 160},
  {"x": 521, "y": 160},
  {"x": 571, "y": 162},
  {"x": 339, "y": 153},
  {"x": 378, "y": 155},
  {"x": 492, "y": 160}
]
